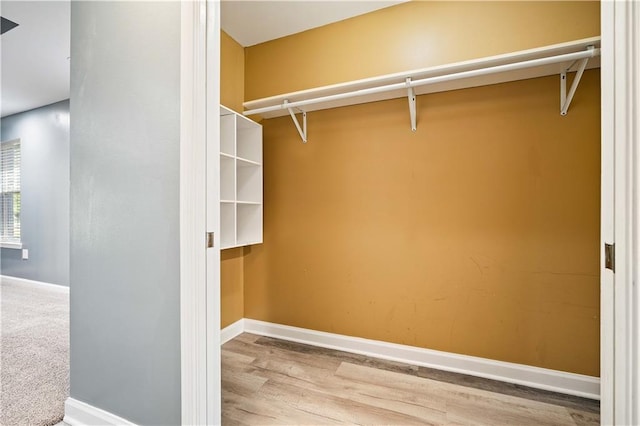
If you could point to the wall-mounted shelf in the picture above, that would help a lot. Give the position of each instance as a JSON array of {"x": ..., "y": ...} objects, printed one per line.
[
  {"x": 557, "y": 59},
  {"x": 240, "y": 180}
]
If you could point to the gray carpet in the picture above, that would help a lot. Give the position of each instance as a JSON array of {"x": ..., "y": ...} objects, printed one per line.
[{"x": 34, "y": 354}]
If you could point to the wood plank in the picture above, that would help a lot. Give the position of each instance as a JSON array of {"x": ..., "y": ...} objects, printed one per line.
[
  {"x": 272, "y": 352},
  {"x": 584, "y": 418},
  {"x": 425, "y": 407},
  {"x": 270, "y": 381},
  {"x": 263, "y": 410},
  {"x": 466, "y": 405},
  {"x": 335, "y": 407}
]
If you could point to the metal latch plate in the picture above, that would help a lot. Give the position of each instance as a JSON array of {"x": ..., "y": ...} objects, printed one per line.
[{"x": 610, "y": 256}]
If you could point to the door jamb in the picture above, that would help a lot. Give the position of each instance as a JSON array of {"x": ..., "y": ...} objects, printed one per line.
[
  {"x": 620, "y": 345},
  {"x": 199, "y": 330},
  {"x": 620, "y": 297}
]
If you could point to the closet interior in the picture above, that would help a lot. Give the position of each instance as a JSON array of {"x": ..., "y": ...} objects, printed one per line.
[{"x": 424, "y": 175}]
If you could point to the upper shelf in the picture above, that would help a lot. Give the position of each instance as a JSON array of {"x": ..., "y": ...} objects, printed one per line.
[{"x": 525, "y": 64}]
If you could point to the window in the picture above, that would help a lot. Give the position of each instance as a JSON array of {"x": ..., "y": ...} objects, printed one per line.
[{"x": 10, "y": 185}]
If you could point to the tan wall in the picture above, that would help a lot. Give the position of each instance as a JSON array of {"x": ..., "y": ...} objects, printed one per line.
[
  {"x": 478, "y": 234},
  {"x": 231, "y": 73},
  {"x": 231, "y": 265},
  {"x": 231, "y": 286},
  {"x": 413, "y": 35}
]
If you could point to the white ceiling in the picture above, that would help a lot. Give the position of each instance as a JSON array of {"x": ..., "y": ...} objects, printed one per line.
[
  {"x": 35, "y": 65},
  {"x": 251, "y": 22}
]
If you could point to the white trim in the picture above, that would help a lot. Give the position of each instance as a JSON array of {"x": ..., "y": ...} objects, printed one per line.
[
  {"x": 212, "y": 196},
  {"x": 10, "y": 245},
  {"x": 232, "y": 331},
  {"x": 193, "y": 273},
  {"x": 535, "y": 377},
  {"x": 35, "y": 284},
  {"x": 623, "y": 140},
  {"x": 520, "y": 65},
  {"x": 606, "y": 212},
  {"x": 78, "y": 413},
  {"x": 620, "y": 297},
  {"x": 622, "y": 206}
]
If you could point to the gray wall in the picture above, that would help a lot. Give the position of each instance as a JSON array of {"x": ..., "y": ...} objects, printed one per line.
[
  {"x": 125, "y": 136},
  {"x": 44, "y": 218}
]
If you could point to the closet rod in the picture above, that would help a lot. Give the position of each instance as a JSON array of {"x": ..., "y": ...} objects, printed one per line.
[{"x": 589, "y": 53}]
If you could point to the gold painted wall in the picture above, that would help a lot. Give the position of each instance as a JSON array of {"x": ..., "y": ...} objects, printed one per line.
[
  {"x": 478, "y": 234},
  {"x": 231, "y": 286},
  {"x": 231, "y": 260},
  {"x": 231, "y": 73},
  {"x": 412, "y": 35}
]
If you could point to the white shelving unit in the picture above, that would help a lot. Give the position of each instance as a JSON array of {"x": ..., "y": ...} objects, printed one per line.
[
  {"x": 561, "y": 59},
  {"x": 240, "y": 180}
]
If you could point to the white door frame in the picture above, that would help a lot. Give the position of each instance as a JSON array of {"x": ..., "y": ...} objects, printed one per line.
[
  {"x": 214, "y": 392},
  {"x": 620, "y": 298},
  {"x": 199, "y": 267},
  {"x": 199, "y": 212},
  {"x": 606, "y": 215}
]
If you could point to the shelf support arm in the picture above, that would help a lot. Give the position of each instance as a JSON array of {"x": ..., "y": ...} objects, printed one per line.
[
  {"x": 411, "y": 95},
  {"x": 301, "y": 130},
  {"x": 565, "y": 99}
]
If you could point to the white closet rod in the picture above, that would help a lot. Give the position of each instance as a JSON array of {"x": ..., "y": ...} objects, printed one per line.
[{"x": 589, "y": 53}]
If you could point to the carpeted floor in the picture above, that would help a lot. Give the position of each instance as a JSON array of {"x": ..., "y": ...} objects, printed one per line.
[{"x": 34, "y": 354}]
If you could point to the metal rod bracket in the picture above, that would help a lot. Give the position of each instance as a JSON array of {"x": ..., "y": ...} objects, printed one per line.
[
  {"x": 566, "y": 98},
  {"x": 411, "y": 95},
  {"x": 301, "y": 130}
]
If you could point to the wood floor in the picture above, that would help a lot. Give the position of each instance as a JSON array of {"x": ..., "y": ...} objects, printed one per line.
[{"x": 271, "y": 381}]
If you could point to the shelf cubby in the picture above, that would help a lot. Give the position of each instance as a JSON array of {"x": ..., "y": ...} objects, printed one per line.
[
  {"x": 249, "y": 181},
  {"x": 227, "y": 178},
  {"x": 249, "y": 224},
  {"x": 227, "y": 134},
  {"x": 240, "y": 180}
]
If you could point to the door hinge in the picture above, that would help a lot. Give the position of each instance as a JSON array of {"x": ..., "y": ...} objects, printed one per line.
[
  {"x": 610, "y": 256},
  {"x": 210, "y": 239}
]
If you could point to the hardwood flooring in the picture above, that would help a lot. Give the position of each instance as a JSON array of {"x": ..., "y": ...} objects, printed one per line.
[{"x": 271, "y": 381}]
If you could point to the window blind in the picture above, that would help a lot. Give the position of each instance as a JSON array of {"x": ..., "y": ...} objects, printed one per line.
[{"x": 10, "y": 194}]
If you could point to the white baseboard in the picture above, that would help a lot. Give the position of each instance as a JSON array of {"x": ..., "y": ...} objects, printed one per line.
[
  {"x": 35, "y": 284},
  {"x": 77, "y": 413},
  {"x": 231, "y": 331},
  {"x": 535, "y": 377}
]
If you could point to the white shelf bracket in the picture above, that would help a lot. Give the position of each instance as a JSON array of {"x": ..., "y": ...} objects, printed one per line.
[
  {"x": 411, "y": 95},
  {"x": 301, "y": 130},
  {"x": 565, "y": 99}
]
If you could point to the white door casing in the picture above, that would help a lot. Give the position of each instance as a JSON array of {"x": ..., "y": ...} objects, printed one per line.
[
  {"x": 214, "y": 402},
  {"x": 606, "y": 216},
  {"x": 620, "y": 299},
  {"x": 199, "y": 265}
]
